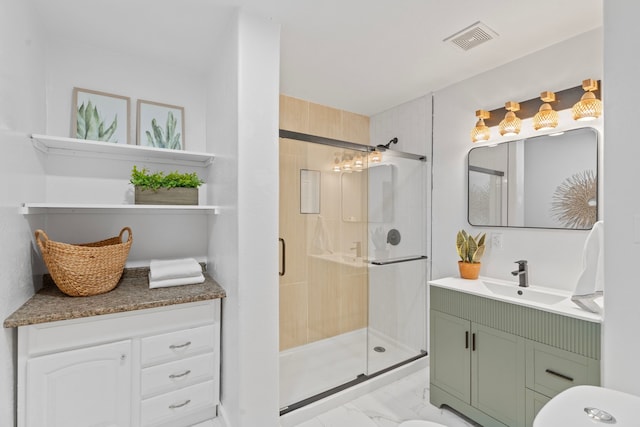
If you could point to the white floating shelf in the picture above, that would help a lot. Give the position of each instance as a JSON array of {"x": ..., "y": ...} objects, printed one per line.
[
  {"x": 81, "y": 147},
  {"x": 41, "y": 208}
]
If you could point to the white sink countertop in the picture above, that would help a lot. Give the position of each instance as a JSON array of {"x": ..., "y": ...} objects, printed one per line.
[{"x": 538, "y": 297}]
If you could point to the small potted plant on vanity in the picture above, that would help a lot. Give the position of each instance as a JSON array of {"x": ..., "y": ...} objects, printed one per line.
[
  {"x": 159, "y": 189},
  {"x": 470, "y": 250}
]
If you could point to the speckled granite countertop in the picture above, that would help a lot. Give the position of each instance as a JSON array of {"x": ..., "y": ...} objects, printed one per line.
[{"x": 132, "y": 293}]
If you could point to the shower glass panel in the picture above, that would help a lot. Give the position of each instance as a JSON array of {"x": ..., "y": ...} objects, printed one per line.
[
  {"x": 323, "y": 269},
  {"x": 352, "y": 265},
  {"x": 397, "y": 263}
]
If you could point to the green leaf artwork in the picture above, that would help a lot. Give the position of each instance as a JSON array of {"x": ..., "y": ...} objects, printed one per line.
[
  {"x": 89, "y": 125},
  {"x": 167, "y": 138}
]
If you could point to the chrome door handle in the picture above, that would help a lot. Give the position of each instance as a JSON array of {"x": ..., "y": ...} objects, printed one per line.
[
  {"x": 180, "y": 405},
  {"x": 175, "y": 346},
  {"x": 184, "y": 374}
]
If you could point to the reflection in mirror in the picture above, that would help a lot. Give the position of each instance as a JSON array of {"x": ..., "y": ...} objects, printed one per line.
[
  {"x": 540, "y": 182},
  {"x": 309, "y": 191},
  {"x": 353, "y": 188},
  {"x": 381, "y": 193}
]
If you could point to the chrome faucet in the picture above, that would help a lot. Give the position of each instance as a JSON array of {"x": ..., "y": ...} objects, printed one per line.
[
  {"x": 522, "y": 272},
  {"x": 358, "y": 249}
]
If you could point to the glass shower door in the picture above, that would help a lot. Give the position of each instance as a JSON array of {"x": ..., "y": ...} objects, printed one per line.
[
  {"x": 398, "y": 265},
  {"x": 323, "y": 270}
]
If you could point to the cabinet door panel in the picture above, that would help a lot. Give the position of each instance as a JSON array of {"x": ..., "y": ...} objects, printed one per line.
[
  {"x": 81, "y": 388},
  {"x": 498, "y": 375},
  {"x": 450, "y": 348}
]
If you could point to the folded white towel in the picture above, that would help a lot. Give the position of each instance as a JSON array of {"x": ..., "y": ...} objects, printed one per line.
[
  {"x": 591, "y": 282},
  {"x": 180, "y": 281},
  {"x": 174, "y": 268}
]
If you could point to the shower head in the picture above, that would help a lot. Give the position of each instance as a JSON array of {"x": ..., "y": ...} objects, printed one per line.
[{"x": 386, "y": 146}]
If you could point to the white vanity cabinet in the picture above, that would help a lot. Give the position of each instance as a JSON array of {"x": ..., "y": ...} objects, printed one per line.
[
  {"x": 153, "y": 367},
  {"x": 88, "y": 386}
]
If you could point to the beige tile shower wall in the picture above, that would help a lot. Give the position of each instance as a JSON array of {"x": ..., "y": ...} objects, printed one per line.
[
  {"x": 302, "y": 116},
  {"x": 337, "y": 298},
  {"x": 318, "y": 298},
  {"x": 293, "y": 229}
]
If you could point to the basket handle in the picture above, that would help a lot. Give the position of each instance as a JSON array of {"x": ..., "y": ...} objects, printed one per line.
[
  {"x": 122, "y": 232},
  {"x": 41, "y": 239}
]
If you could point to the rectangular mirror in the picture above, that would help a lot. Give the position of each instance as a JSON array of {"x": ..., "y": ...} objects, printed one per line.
[
  {"x": 540, "y": 182},
  {"x": 309, "y": 191}
]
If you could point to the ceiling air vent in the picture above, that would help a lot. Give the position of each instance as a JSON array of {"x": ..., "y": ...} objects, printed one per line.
[{"x": 472, "y": 36}]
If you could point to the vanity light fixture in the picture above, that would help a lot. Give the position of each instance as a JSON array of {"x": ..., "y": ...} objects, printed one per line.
[
  {"x": 589, "y": 107},
  {"x": 511, "y": 124},
  {"x": 336, "y": 163},
  {"x": 547, "y": 117},
  {"x": 347, "y": 163},
  {"x": 481, "y": 132},
  {"x": 375, "y": 156},
  {"x": 358, "y": 163}
]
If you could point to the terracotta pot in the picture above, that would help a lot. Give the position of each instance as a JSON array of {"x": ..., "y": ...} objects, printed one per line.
[{"x": 469, "y": 270}]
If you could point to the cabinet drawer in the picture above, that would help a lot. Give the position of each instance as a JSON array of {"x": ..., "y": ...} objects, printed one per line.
[
  {"x": 174, "y": 375},
  {"x": 534, "y": 402},
  {"x": 180, "y": 404},
  {"x": 551, "y": 370},
  {"x": 179, "y": 344}
]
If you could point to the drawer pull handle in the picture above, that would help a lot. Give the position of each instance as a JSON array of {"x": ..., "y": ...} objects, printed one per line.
[
  {"x": 466, "y": 339},
  {"x": 559, "y": 375},
  {"x": 180, "y": 405},
  {"x": 184, "y": 374},
  {"x": 174, "y": 346}
]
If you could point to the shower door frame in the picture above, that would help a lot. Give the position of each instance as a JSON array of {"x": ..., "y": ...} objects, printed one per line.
[{"x": 286, "y": 134}]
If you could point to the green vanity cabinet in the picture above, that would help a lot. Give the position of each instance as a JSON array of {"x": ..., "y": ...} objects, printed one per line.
[
  {"x": 480, "y": 366},
  {"x": 498, "y": 363},
  {"x": 451, "y": 352}
]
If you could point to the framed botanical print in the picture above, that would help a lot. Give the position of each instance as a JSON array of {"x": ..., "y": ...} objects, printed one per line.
[
  {"x": 160, "y": 125},
  {"x": 100, "y": 116}
]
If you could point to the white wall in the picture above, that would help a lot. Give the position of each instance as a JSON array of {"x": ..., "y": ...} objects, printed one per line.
[
  {"x": 72, "y": 64},
  {"x": 555, "y": 256},
  {"x": 22, "y": 111},
  {"x": 242, "y": 115},
  {"x": 622, "y": 242},
  {"x": 409, "y": 122}
]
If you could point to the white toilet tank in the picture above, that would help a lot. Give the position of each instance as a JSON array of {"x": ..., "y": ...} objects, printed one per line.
[{"x": 590, "y": 406}]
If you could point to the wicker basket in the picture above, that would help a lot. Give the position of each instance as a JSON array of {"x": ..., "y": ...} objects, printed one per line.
[{"x": 88, "y": 268}]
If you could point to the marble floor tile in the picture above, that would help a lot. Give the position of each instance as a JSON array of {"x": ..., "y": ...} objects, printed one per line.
[{"x": 388, "y": 406}]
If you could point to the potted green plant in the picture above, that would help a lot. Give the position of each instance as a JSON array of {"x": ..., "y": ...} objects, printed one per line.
[
  {"x": 159, "y": 189},
  {"x": 470, "y": 250}
]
